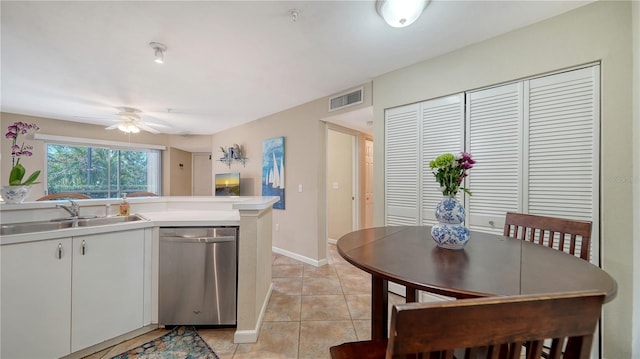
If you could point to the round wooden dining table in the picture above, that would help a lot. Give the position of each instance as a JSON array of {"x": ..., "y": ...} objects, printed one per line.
[{"x": 489, "y": 265}]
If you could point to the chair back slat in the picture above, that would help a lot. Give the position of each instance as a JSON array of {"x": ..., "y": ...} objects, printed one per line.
[
  {"x": 503, "y": 322},
  {"x": 570, "y": 234}
]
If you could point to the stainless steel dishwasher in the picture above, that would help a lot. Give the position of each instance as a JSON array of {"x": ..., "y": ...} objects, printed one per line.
[{"x": 197, "y": 276}]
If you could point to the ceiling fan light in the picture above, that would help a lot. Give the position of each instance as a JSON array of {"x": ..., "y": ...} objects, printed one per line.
[
  {"x": 400, "y": 13},
  {"x": 133, "y": 128},
  {"x": 123, "y": 127}
]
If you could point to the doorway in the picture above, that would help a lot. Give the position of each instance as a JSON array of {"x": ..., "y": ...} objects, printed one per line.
[{"x": 342, "y": 214}]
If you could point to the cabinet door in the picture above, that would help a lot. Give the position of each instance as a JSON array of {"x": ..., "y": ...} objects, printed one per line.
[
  {"x": 108, "y": 273},
  {"x": 36, "y": 299}
]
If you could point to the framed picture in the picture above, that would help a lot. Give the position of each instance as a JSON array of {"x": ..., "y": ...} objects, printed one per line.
[{"x": 273, "y": 170}]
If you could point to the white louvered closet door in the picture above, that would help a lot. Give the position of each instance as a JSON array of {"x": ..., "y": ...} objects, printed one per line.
[
  {"x": 442, "y": 131},
  {"x": 562, "y": 133},
  {"x": 401, "y": 164},
  {"x": 494, "y": 138}
]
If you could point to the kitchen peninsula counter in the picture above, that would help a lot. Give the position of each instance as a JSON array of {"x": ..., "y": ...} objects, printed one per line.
[{"x": 253, "y": 216}]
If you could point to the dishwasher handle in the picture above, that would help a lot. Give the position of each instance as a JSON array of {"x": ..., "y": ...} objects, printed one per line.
[{"x": 187, "y": 239}]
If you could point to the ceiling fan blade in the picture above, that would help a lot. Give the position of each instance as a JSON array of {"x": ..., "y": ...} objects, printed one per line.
[
  {"x": 112, "y": 127},
  {"x": 144, "y": 127}
]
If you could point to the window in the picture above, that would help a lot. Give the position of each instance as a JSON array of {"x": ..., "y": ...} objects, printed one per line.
[{"x": 101, "y": 172}]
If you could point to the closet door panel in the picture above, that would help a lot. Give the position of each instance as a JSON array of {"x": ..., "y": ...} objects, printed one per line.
[
  {"x": 494, "y": 120},
  {"x": 442, "y": 131},
  {"x": 402, "y": 165},
  {"x": 562, "y": 132}
]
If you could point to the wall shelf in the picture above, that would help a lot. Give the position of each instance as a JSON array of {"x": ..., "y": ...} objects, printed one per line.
[
  {"x": 229, "y": 160},
  {"x": 233, "y": 154}
]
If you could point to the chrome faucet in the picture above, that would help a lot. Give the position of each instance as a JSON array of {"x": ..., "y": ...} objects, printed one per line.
[{"x": 73, "y": 208}]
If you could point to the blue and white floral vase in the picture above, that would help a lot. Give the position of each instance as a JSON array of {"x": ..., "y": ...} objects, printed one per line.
[{"x": 449, "y": 233}]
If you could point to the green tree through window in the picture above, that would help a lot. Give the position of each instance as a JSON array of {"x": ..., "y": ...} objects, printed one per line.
[{"x": 101, "y": 172}]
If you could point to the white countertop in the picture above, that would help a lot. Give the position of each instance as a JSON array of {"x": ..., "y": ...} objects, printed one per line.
[
  {"x": 193, "y": 218},
  {"x": 158, "y": 212}
]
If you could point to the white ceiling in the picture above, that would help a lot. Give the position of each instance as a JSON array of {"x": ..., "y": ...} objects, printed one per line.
[{"x": 228, "y": 62}]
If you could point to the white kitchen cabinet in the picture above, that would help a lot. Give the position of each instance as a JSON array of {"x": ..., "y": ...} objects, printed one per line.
[
  {"x": 108, "y": 286},
  {"x": 63, "y": 295},
  {"x": 36, "y": 299}
]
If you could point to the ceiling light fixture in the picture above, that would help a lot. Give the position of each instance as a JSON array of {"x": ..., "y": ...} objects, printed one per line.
[
  {"x": 159, "y": 50},
  {"x": 400, "y": 13},
  {"x": 294, "y": 13},
  {"x": 128, "y": 127}
]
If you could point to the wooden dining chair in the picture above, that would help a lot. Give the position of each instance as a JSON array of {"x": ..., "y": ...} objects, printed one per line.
[
  {"x": 142, "y": 194},
  {"x": 568, "y": 235},
  {"x": 489, "y": 327},
  {"x": 63, "y": 195}
]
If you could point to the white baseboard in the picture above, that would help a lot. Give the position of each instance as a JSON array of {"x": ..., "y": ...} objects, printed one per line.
[
  {"x": 296, "y": 256},
  {"x": 332, "y": 241},
  {"x": 251, "y": 336}
]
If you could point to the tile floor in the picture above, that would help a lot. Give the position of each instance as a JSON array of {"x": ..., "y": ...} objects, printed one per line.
[{"x": 311, "y": 309}]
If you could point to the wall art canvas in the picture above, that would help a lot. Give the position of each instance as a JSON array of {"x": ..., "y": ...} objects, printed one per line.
[{"x": 273, "y": 169}]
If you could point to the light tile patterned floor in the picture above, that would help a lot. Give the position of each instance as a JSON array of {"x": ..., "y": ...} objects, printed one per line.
[{"x": 311, "y": 309}]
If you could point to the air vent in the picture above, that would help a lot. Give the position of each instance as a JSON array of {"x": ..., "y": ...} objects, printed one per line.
[{"x": 344, "y": 100}]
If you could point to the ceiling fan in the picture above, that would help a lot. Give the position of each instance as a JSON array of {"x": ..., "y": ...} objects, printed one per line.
[{"x": 131, "y": 123}]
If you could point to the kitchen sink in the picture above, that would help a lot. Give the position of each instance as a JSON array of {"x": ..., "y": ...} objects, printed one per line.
[
  {"x": 44, "y": 226},
  {"x": 101, "y": 221}
]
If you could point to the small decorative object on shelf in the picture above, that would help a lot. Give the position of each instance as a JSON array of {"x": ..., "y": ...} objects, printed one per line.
[
  {"x": 450, "y": 172},
  {"x": 233, "y": 153},
  {"x": 17, "y": 190}
]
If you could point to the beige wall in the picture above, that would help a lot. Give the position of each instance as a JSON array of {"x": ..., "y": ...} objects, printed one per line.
[
  {"x": 636, "y": 176},
  {"x": 302, "y": 224},
  {"x": 339, "y": 171},
  {"x": 597, "y": 32},
  {"x": 191, "y": 143}
]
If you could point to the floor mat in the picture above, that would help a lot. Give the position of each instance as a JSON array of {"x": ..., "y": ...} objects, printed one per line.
[{"x": 181, "y": 342}]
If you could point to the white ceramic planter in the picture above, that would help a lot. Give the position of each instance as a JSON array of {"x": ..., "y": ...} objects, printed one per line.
[{"x": 14, "y": 194}]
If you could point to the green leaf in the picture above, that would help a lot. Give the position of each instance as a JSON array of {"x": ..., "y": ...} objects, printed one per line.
[
  {"x": 16, "y": 175},
  {"x": 32, "y": 179}
]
